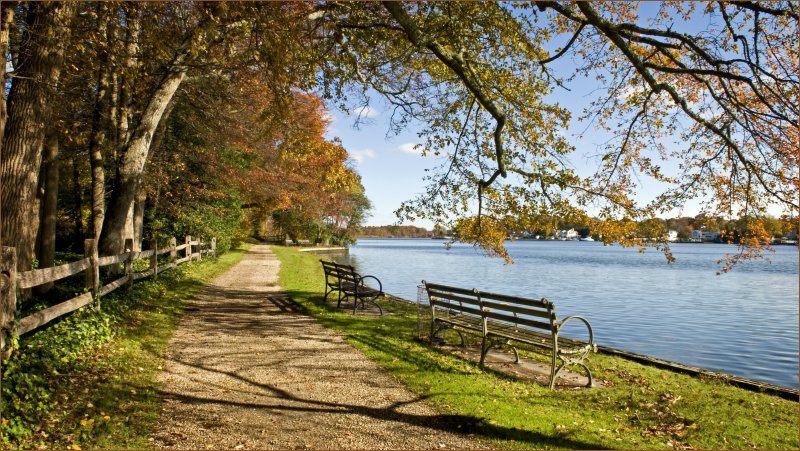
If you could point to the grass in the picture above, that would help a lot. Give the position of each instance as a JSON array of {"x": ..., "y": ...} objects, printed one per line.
[
  {"x": 641, "y": 407},
  {"x": 107, "y": 396}
]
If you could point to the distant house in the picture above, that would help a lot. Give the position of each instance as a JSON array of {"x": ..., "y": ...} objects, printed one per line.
[
  {"x": 672, "y": 236},
  {"x": 564, "y": 235},
  {"x": 702, "y": 235}
]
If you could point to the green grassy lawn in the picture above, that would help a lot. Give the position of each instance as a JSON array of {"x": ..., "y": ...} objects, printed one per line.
[
  {"x": 640, "y": 407},
  {"x": 100, "y": 392}
]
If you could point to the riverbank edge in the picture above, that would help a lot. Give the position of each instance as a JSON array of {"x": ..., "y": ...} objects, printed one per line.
[
  {"x": 738, "y": 381},
  {"x": 791, "y": 394},
  {"x": 639, "y": 407}
]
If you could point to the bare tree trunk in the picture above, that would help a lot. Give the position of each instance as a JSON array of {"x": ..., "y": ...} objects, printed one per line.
[
  {"x": 47, "y": 225},
  {"x": 125, "y": 98},
  {"x": 138, "y": 219},
  {"x": 42, "y": 54},
  {"x": 97, "y": 136},
  {"x": 132, "y": 164},
  {"x": 6, "y": 20}
]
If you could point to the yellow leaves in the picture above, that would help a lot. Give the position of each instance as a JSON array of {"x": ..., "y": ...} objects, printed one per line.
[
  {"x": 87, "y": 422},
  {"x": 75, "y": 446},
  {"x": 485, "y": 232}
]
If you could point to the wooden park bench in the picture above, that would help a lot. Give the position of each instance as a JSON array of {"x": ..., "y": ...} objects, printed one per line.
[
  {"x": 501, "y": 320},
  {"x": 350, "y": 284}
]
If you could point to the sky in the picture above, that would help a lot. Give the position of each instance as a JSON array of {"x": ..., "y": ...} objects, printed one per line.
[{"x": 391, "y": 169}]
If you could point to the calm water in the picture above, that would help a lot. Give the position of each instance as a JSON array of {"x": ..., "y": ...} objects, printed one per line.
[{"x": 744, "y": 322}]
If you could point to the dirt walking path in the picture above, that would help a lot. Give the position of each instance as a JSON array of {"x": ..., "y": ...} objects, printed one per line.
[{"x": 246, "y": 370}]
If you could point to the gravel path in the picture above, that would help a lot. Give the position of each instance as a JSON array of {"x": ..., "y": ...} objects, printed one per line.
[{"x": 246, "y": 370}]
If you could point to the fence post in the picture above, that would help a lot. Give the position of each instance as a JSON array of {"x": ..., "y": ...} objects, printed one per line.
[
  {"x": 8, "y": 302},
  {"x": 173, "y": 253},
  {"x": 8, "y": 291},
  {"x": 154, "y": 258},
  {"x": 91, "y": 277},
  {"x": 214, "y": 247},
  {"x": 129, "y": 263},
  {"x": 199, "y": 249},
  {"x": 189, "y": 248}
]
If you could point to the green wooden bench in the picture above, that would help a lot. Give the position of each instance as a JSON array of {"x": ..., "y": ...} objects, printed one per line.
[
  {"x": 501, "y": 320},
  {"x": 350, "y": 284}
]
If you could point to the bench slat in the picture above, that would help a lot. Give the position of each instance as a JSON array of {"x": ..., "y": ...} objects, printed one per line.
[
  {"x": 445, "y": 289},
  {"x": 542, "y": 303},
  {"x": 465, "y": 321},
  {"x": 501, "y": 316},
  {"x": 525, "y": 310},
  {"x": 444, "y": 297},
  {"x": 460, "y": 308}
]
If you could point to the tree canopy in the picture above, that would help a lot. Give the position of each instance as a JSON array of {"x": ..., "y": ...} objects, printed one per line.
[
  {"x": 208, "y": 118},
  {"x": 698, "y": 98}
]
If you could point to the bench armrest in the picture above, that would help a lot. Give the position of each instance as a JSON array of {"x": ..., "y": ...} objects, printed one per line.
[
  {"x": 561, "y": 323},
  {"x": 361, "y": 281}
]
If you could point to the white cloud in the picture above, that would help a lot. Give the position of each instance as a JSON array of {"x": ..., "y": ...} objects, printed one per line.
[
  {"x": 366, "y": 112},
  {"x": 409, "y": 148},
  {"x": 360, "y": 155}
]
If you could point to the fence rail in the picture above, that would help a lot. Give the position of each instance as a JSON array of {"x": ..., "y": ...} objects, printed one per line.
[{"x": 90, "y": 266}]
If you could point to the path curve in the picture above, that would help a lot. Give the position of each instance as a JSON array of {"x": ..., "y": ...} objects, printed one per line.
[{"x": 246, "y": 370}]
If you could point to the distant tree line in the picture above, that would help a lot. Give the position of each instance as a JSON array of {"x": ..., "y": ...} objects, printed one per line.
[
  {"x": 730, "y": 230},
  {"x": 394, "y": 231}
]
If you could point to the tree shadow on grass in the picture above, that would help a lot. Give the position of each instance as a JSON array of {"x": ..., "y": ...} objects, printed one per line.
[
  {"x": 281, "y": 315},
  {"x": 459, "y": 424}
]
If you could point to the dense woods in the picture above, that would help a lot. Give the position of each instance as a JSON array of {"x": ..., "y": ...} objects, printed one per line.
[{"x": 153, "y": 120}]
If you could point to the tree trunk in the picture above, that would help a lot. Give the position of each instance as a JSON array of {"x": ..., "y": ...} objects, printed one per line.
[
  {"x": 98, "y": 136},
  {"x": 47, "y": 225},
  {"x": 138, "y": 220},
  {"x": 41, "y": 57},
  {"x": 136, "y": 150},
  {"x": 6, "y": 21},
  {"x": 77, "y": 205},
  {"x": 132, "y": 164},
  {"x": 124, "y": 114}
]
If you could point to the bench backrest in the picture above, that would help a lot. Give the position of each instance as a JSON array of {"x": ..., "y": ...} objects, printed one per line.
[
  {"x": 347, "y": 274},
  {"x": 531, "y": 313},
  {"x": 453, "y": 298},
  {"x": 513, "y": 310},
  {"x": 328, "y": 267}
]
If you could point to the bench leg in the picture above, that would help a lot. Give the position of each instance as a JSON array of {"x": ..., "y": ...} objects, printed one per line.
[
  {"x": 554, "y": 371},
  {"x": 588, "y": 375},
  {"x": 484, "y": 349},
  {"x": 516, "y": 354}
]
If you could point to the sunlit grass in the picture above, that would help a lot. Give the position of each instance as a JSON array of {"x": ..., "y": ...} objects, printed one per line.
[{"x": 640, "y": 407}]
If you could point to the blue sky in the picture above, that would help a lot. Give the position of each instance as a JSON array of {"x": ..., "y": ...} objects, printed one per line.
[{"x": 391, "y": 169}]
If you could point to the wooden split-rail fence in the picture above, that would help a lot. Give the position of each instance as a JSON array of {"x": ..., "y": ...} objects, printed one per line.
[{"x": 11, "y": 281}]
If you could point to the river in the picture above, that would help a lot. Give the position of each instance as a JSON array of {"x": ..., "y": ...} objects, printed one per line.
[{"x": 744, "y": 322}]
